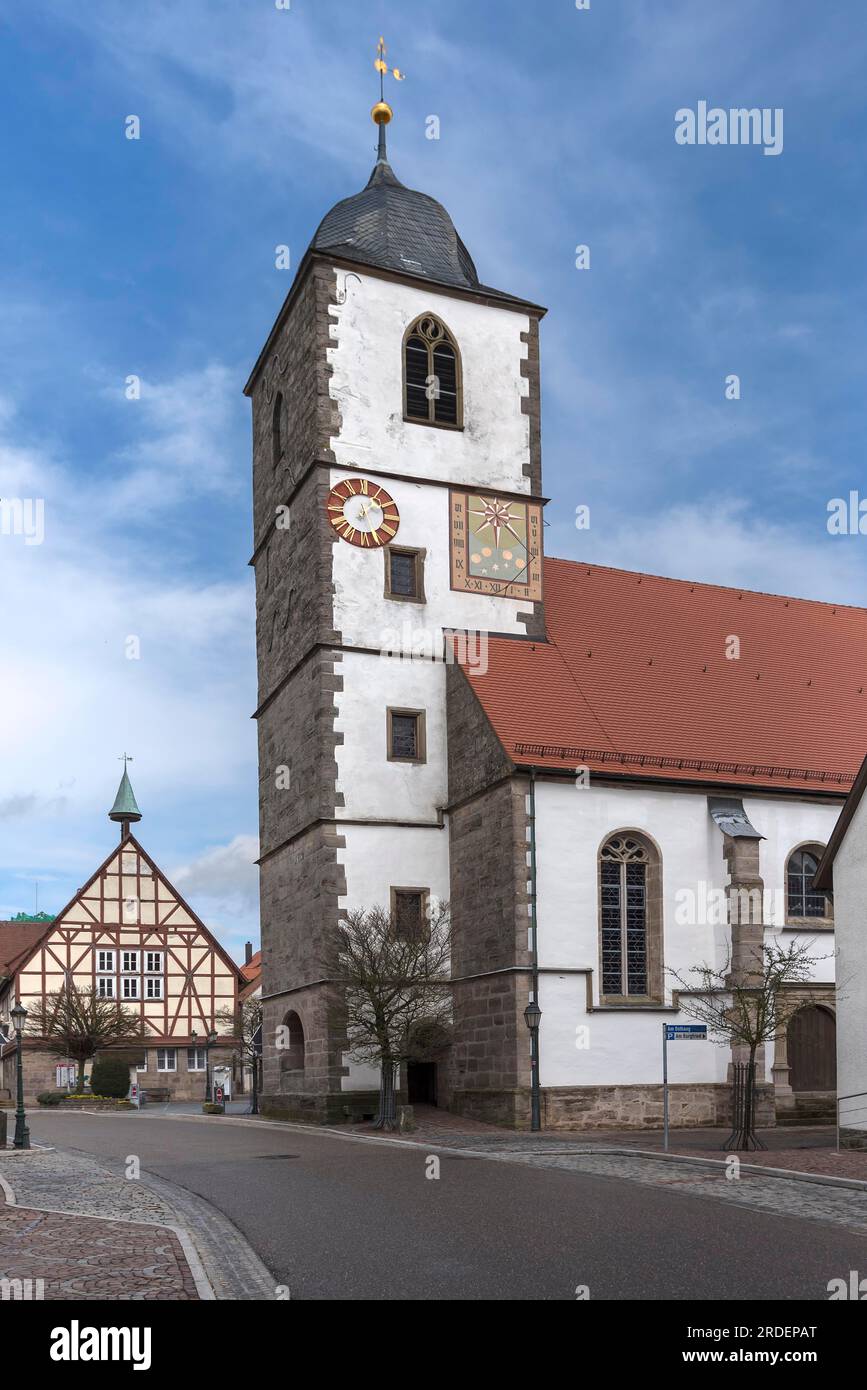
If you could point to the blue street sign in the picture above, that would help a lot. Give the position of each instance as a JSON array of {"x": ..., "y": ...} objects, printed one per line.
[{"x": 682, "y": 1032}]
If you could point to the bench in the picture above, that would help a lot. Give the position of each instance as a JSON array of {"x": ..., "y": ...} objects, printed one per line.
[{"x": 156, "y": 1094}]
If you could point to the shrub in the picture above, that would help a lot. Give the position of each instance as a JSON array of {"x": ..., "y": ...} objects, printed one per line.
[
  {"x": 210, "y": 1108},
  {"x": 110, "y": 1077},
  {"x": 50, "y": 1097}
]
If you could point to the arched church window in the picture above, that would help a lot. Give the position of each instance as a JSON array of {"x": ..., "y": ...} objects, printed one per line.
[
  {"x": 630, "y": 927},
  {"x": 803, "y": 901},
  {"x": 432, "y": 387},
  {"x": 278, "y": 443}
]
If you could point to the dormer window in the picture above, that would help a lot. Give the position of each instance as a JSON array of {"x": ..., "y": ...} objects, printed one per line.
[{"x": 432, "y": 375}]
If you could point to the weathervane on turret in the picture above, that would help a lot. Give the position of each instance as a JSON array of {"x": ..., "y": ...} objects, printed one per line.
[{"x": 382, "y": 113}]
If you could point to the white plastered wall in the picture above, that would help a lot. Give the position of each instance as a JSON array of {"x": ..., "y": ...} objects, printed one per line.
[
  {"x": 850, "y": 911},
  {"x": 572, "y": 823}
]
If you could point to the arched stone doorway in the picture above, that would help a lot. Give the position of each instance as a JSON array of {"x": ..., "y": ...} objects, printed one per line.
[
  {"x": 811, "y": 1045},
  {"x": 290, "y": 1050}
]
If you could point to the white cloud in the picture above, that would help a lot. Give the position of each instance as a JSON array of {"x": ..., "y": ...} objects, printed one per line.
[
  {"x": 724, "y": 542},
  {"x": 72, "y": 697},
  {"x": 183, "y": 444},
  {"x": 222, "y": 887},
  {"x": 227, "y": 873}
]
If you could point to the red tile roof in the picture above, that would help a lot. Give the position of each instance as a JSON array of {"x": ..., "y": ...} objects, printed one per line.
[
  {"x": 252, "y": 967},
  {"x": 634, "y": 680},
  {"x": 18, "y": 939},
  {"x": 251, "y": 973}
]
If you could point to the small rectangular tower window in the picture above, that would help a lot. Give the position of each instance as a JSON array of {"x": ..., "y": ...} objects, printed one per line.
[
  {"x": 406, "y": 736},
  {"x": 408, "y": 911},
  {"x": 404, "y": 574}
]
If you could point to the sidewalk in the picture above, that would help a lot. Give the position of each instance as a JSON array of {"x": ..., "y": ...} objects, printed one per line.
[
  {"x": 810, "y": 1149},
  {"x": 90, "y": 1232},
  {"x": 82, "y": 1257}
]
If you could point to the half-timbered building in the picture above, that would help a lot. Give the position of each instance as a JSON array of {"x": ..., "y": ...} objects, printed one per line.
[{"x": 129, "y": 936}]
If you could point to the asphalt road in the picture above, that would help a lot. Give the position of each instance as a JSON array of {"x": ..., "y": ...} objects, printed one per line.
[{"x": 337, "y": 1218}]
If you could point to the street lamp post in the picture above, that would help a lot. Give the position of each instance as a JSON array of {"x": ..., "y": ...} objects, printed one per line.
[
  {"x": 532, "y": 1016},
  {"x": 22, "y": 1133},
  {"x": 209, "y": 1040},
  {"x": 257, "y": 1052}
]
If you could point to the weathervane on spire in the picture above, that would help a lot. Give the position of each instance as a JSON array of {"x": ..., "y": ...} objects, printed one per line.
[{"x": 382, "y": 112}]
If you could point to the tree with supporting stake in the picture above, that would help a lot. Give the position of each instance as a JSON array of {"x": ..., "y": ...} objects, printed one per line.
[
  {"x": 245, "y": 1028},
  {"x": 749, "y": 1011},
  {"x": 394, "y": 978}
]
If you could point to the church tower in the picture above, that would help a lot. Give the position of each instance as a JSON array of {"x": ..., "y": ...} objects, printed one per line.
[{"x": 397, "y": 496}]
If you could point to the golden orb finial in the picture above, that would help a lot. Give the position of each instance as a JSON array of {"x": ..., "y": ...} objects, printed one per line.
[{"x": 381, "y": 113}]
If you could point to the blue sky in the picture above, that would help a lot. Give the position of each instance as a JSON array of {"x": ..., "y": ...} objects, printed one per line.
[{"x": 156, "y": 258}]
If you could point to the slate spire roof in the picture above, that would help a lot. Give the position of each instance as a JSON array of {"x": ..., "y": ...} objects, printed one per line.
[
  {"x": 125, "y": 806},
  {"x": 394, "y": 227}
]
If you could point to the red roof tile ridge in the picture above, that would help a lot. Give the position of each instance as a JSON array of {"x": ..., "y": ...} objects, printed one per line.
[{"x": 588, "y": 565}]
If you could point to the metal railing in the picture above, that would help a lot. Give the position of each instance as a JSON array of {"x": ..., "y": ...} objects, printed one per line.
[{"x": 861, "y": 1110}]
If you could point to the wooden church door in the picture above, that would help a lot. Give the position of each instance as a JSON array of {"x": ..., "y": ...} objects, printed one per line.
[{"x": 812, "y": 1049}]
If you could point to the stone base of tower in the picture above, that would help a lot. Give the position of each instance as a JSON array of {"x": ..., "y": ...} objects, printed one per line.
[
  {"x": 691, "y": 1106},
  {"x": 329, "y": 1108},
  {"x": 510, "y": 1108}
]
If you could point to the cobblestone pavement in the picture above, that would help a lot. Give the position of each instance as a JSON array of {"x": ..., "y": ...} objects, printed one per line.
[
  {"x": 805, "y": 1150},
  {"x": 825, "y": 1162},
  {"x": 86, "y": 1258},
  {"x": 76, "y": 1209},
  {"x": 783, "y": 1196}
]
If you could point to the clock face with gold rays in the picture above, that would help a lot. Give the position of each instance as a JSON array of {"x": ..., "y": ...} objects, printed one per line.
[{"x": 362, "y": 513}]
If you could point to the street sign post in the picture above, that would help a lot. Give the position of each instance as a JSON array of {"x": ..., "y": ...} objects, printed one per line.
[{"x": 675, "y": 1032}]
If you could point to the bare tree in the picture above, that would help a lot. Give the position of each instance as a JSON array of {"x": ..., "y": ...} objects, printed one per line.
[
  {"x": 395, "y": 981},
  {"x": 749, "y": 1011},
  {"x": 245, "y": 1027},
  {"x": 79, "y": 1023}
]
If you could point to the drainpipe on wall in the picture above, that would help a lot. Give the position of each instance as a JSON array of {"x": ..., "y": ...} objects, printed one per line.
[{"x": 533, "y": 1014}]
